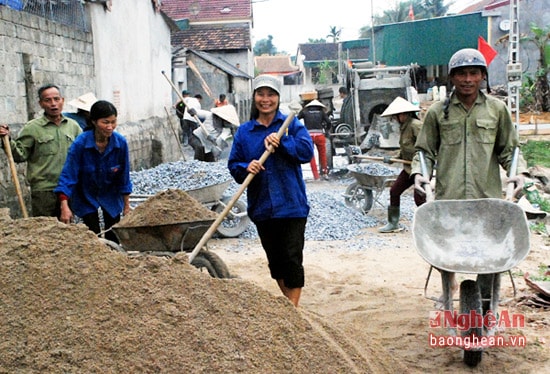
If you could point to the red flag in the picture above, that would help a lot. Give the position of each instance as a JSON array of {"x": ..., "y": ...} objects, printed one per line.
[
  {"x": 411, "y": 13},
  {"x": 486, "y": 50}
]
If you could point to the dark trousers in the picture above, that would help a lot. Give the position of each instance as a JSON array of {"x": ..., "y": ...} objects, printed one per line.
[
  {"x": 45, "y": 204},
  {"x": 400, "y": 185}
]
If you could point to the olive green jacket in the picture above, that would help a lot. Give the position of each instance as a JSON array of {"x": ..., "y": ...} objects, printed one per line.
[
  {"x": 468, "y": 148},
  {"x": 408, "y": 133},
  {"x": 44, "y": 146}
]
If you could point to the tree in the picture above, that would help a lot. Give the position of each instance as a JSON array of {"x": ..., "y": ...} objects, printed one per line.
[
  {"x": 265, "y": 47},
  {"x": 334, "y": 34},
  {"x": 541, "y": 90},
  {"x": 399, "y": 12},
  {"x": 313, "y": 41}
]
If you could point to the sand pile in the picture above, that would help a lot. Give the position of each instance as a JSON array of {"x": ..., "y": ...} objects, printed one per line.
[{"x": 68, "y": 304}]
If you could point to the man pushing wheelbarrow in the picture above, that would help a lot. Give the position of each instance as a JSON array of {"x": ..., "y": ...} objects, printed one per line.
[{"x": 468, "y": 136}]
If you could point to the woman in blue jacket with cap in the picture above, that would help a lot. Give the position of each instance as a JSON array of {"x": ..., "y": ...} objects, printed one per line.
[{"x": 277, "y": 201}]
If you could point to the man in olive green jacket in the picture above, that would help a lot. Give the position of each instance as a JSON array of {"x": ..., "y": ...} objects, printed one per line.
[
  {"x": 469, "y": 136},
  {"x": 44, "y": 143}
]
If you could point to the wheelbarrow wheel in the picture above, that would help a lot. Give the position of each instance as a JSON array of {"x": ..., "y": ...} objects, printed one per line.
[
  {"x": 235, "y": 223},
  {"x": 470, "y": 302},
  {"x": 359, "y": 197},
  {"x": 211, "y": 262}
]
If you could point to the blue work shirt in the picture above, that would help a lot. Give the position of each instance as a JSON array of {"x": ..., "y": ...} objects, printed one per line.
[
  {"x": 80, "y": 119},
  {"x": 278, "y": 191},
  {"x": 92, "y": 179}
]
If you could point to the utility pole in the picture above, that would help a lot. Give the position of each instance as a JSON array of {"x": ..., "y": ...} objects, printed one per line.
[{"x": 513, "y": 69}]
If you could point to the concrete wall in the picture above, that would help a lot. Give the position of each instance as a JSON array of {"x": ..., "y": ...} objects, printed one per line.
[
  {"x": 536, "y": 11},
  {"x": 120, "y": 60}
]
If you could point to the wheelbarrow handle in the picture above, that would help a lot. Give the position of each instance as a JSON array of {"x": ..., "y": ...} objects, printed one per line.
[
  {"x": 511, "y": 173},
  {"x": 208, "y": 234},
  {"x": 424, "y": 170},
  {"x": 377, "y": 158}
]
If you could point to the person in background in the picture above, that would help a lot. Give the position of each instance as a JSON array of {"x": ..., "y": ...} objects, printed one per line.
[
  {"x": 187, "y": 122},
  {"x": 318, "y": 124},
  {"x": 343, "y": 92},
  {"x": 199, "y": 98},
  {"x": 277, "y": 200},
  {"x": 220, "y": 124},
  {"x": 97, "y": 173},
  {"x": 469, "y": 136},
  {"x": 221, "y": 101},
  {"x": 404, "y": 113},
  {"x": 43, "y": 143},
  {"x": 82, "y": 104},
  {"x": 346, "y": 110}
]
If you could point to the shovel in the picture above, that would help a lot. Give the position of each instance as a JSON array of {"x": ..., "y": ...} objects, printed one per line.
[
  {"x": 208, "y": 234},
  {"x": 7, "y": 148},
  {"x": 215, "y": 149}
]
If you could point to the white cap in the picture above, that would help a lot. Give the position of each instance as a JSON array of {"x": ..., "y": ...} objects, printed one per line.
[
  {"x": 84, "y": 102},
  {"x": 267, "y": 81}
]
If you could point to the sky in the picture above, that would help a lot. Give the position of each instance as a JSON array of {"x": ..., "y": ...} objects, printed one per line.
[{"x": 292, "y": 22}]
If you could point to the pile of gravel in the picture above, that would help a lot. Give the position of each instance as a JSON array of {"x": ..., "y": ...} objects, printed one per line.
[{"x": 329, "y": 219}]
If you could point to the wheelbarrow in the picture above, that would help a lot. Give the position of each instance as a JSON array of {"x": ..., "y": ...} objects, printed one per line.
[
  {"x": 370, "y": 182},
  {"x": 484, "y": 237},
  {"x": 167, "y": 240},
  {"x": 234, "y": 223}
]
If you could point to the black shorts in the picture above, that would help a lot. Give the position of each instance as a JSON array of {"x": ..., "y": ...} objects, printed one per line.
[{"x": 283, "y": 242}]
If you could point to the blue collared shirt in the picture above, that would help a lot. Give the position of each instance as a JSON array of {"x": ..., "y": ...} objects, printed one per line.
[
  {"x": 92, "y": 179},
  {"x": 279, "y": 191}
]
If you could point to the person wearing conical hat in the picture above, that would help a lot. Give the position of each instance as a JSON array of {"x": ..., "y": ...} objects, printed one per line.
[
  {"x": 82, "y": 104},
  {"x": 220, "y": 123},
  {"x": 404, "y": 113},
  {"x": 317, "y": 123}
]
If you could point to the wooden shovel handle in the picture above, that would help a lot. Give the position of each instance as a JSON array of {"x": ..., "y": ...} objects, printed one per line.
[
  {"x": 7, "y": 148},
  {"x": 208, "y": 234},
  {"x": 378, "y": 158}
]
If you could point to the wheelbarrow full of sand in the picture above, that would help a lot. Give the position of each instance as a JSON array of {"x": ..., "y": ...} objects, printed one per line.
[
  {"x": 484, "y": 237},
  {"x": 172, "y": 221}
]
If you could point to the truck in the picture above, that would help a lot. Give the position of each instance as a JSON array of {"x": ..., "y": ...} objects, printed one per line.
[{"x": 358, "y": 127}]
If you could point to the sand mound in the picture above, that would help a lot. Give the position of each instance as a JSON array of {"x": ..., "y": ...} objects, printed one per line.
[{"x": 69, "y": 304}]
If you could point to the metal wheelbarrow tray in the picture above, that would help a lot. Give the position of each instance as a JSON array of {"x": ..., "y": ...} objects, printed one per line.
[
  {"x": 359, "y": 195},
  {"x": 480, "y": 236}
]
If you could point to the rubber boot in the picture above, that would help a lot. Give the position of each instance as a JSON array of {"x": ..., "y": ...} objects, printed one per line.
[{"x": 393, "y": 221}]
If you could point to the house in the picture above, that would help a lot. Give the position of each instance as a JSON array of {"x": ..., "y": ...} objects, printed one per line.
[
  {"x": 314, "y": 57},
  {"x": 220, "y": 28},
  {"x": 213, "y": 74},
  {"x": 91, "y": 47}
]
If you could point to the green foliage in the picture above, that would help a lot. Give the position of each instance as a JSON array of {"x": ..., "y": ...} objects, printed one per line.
[
  {"x": 540, "y": 37},
  {"x": 314, "y": 41},
  {"x": 326, "y": 72},
  {"x": 334, "y": 34},
  {"x": 265, "y": 47},
  {"x": 543, "y": 274},
  {"x": 537, "y": 152}
]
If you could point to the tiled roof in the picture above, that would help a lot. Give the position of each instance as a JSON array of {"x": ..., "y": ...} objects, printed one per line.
[
  {"x": 207, "y": 10},
  {"x": 274, "y": 64},
  {"x": 214, "y": 37},
  {"x": 319, "y": 51}
]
